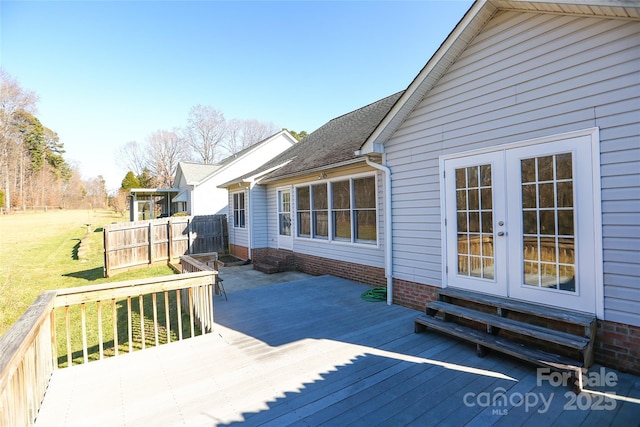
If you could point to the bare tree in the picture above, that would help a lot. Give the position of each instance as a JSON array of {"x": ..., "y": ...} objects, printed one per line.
[
  {"x": 165, "y": 150},
  {"x": 205, "y": 130},
  {"x": 132, "y": 157},
  {"x": 13, "y": 99},
  {"x": 242, "y": 134}
]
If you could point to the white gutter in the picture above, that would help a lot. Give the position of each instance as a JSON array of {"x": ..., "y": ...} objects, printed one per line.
[{"x": 388, "y": 259}]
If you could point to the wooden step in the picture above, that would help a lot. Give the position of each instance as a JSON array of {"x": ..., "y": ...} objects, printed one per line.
[
  {"x": 482, "y": 339},
  {"x": 552, "y": 313},
  {"x": 522, "y": 328}
]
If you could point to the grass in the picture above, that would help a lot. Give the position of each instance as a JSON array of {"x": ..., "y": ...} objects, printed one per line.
[{"x": 39, "y": 252}]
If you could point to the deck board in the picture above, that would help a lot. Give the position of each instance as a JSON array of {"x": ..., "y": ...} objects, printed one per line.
[{"x": 309, "y": 352}]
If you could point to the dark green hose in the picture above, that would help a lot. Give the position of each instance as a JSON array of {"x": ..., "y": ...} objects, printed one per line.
[{"x": 375, "y": 295}]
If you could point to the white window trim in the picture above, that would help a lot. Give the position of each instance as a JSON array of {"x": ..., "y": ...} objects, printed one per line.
[
  {"x": 233, "y": 209},
  {"x": 594, "y": 134},
  {"x": 330, "y": 239}
]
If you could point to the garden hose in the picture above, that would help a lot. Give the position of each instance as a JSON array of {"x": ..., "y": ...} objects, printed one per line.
[{"x": 375, "y": 295}]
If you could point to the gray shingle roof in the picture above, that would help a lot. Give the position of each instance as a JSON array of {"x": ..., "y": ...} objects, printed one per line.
[
  {"x": 333, "y": 143},
  {"x": 194, "y": 173}
]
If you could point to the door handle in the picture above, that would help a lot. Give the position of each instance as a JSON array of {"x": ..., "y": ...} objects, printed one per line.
[{"x": 500, "y": 233}]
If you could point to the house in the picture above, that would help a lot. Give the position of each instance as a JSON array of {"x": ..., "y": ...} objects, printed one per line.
[
  {"x": 261, "y": 203},
  {"x": 196, "y": 189},
  {"x": 509, "y": 166}
]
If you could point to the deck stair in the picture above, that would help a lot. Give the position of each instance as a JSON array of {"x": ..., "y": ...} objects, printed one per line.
[
  {"x": 461, "y": 313},
  {"x": 275, "y": 262}
]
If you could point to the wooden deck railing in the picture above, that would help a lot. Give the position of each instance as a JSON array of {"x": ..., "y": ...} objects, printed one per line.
[{"x": 29, "y": 351}]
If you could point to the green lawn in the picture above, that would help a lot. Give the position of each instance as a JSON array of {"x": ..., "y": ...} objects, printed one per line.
[{"x": 39, "y": 251}]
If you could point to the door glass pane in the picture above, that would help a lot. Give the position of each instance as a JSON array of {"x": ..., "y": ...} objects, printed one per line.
[
  {"x": 285, "y": 224},
  {"x": 474, "y": 213},
  {"x": 548, "y": 237}
]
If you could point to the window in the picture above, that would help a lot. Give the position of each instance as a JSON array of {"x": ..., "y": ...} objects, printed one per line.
[
  {"x": 238, "y": 210},
  {"x": 364, "y": 190},
  {"x": 320, "y": 211},
  {"x": 342, "y": 210},
  {"x": 303, "y": 212}
]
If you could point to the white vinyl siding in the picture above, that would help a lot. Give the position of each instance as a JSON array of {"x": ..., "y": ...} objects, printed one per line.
[
  {"x": 528, "y": 75},
  {"x": 259, "y": 217}
]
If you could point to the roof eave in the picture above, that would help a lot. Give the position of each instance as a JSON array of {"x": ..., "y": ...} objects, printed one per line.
[
  {"x": 441, "y": 60},
  {"x": 464, "y": 32},
  {"x": 312, "y": 170}
]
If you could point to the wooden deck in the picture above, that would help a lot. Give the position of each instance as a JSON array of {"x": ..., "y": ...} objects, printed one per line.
[{"x": 311, "y": 352}]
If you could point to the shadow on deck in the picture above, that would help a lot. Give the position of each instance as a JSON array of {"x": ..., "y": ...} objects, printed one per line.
[{"x": 311, "y": 352}]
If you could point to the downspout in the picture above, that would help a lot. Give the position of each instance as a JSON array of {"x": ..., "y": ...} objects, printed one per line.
[{"x": 388, "y": 259}]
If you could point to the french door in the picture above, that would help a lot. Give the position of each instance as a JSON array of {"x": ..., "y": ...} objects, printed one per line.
[{"x": 520, "y": 223}]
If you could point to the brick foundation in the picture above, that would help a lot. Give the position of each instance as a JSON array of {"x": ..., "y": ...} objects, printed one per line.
[
  {"x": 318, "y": 266},
  {"x": 618, "y": 346},
  {"x": 241, "y": 252}
]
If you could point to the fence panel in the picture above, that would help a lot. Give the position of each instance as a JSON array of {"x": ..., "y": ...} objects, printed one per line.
[{"x": 137, "y": 244}]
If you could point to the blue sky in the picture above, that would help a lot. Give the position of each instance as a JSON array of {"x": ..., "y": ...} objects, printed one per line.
[{"x": 109, "y": 72}]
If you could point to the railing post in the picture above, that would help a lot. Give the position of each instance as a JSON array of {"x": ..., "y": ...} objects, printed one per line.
[
  {"x": 169, "y": 238},
  {"x": 151, "y": 242}
]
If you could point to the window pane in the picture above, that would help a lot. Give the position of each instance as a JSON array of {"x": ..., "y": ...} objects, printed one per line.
[
  {"x": 285, "y": 224},
  {"x": 488, "y": 268},
  {"x": 564, "y": 169},
  {"x": 545, "y": 196},
  {"x": 485, "y": 175},
  {"x": 365, "y": 193},
  {"x": 320, "y": 196},
  {"x": 463, "y": 243},
  {"x": 547, "y": 222},
  {"x": 487, "y": 221},
  {"x": 487, "y": 201},
  {"x": 528, "y": 167},
  {"x": 461, "y": 180},
  {"x": 461, "y": 200},
  {"x": 472, "y": 174},
  {"x": 565, "y": 194},
  {"x": 565, "y": 223},
  {"x": 462, "y": 221},
  {"x": 304, "y": 224},
  {"x": 341, "y": 195},
  {"x": 366, "y": 225},
  {"x": 285, "y": 201},
  {"x": 529, "y": 197},
  {"x": 320, "y": 224},
  {"x": 474, "y": 200},
  {"x": 342, "y": 224},
  {"x": 303, "y": 198},
  {"x": 474, "y": 222},
  {"x": 530, "y": 222},
  {"x": 545, "y": 168}
]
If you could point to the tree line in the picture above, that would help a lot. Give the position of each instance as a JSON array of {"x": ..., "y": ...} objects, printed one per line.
[
  {"x": 207, "y": 138},
  {"x": 33, "y": 170}
]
